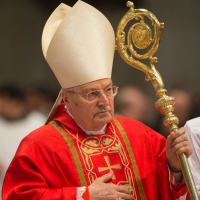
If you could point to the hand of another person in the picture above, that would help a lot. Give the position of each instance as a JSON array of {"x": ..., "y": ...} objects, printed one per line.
[
  {"x": 100, "y": 190},
  {"x": 176, "y": 144}
]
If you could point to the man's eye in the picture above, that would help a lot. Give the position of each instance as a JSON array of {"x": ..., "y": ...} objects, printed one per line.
[
  {"x": 92, "y": 94},
  {"x": 108, "y": 89}
]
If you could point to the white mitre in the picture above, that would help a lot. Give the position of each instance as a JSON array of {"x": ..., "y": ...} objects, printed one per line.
[{"x": 78, "y": 43}]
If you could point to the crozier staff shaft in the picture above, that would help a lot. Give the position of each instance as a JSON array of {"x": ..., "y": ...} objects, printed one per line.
[{"x": 140, "y": 36}]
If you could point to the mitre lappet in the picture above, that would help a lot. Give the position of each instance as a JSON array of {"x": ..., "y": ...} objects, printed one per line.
[{"x": 78, "y": 43}]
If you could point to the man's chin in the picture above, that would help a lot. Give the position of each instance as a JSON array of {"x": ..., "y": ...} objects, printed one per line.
[{"x": 103, "y": 119}]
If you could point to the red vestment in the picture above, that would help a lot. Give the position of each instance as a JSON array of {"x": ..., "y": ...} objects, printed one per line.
[{"x": 52, "y": 161}]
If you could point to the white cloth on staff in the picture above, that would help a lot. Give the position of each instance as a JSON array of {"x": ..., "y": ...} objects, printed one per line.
[{"x": 193, "y": 134}]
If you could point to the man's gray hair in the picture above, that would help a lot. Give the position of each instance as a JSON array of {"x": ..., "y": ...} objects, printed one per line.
[{"x": 69, "y": 89}]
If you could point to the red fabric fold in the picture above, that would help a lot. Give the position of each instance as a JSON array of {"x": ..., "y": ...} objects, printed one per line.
[{"x": 86, "y": 194}]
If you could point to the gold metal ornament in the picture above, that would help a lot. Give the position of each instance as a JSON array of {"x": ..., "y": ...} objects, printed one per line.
[{"x": 140, "y": 36}]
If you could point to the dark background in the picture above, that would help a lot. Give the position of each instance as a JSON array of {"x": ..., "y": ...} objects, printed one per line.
[{"x": 22, "y": 61}]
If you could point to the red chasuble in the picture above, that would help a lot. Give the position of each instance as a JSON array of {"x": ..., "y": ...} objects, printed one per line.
[{"x": 52, "y": 161}]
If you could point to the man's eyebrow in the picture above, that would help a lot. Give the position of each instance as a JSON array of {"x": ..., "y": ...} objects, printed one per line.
[
  {"x": 94, "y": 89},
  {"x": 110, "y": 84}
]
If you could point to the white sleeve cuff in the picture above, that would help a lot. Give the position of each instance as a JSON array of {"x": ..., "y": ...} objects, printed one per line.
[{"x": 80, "y": 192}]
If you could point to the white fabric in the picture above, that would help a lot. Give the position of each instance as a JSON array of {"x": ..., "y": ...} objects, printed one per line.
[
  {"x": 52, "y": 24},
  {"x": 55, "y": 108},
  {"x": 193, "y": 134},
  {"x": 88, "y": 132},
  {"x": 11, "y": 134},
  {"x": 182, "y": 197},
  {"x": 80, "y": 192},
  {"x": 83, "y": 46}
]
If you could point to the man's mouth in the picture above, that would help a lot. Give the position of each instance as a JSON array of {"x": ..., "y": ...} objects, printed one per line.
[{"x": 103, "y": 112}]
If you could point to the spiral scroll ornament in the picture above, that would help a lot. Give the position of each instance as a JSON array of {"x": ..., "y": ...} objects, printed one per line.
[{"x": 140, "y": 37}]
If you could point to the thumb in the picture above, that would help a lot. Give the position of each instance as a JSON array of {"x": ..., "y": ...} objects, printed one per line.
[{"x": 105, "y": 178}]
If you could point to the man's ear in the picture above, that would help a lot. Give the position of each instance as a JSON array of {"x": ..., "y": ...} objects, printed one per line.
[{"x": 65, "y": 96}]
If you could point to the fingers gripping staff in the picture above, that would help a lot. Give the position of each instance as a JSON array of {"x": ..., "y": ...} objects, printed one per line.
[{"x": 177, "y": 144}]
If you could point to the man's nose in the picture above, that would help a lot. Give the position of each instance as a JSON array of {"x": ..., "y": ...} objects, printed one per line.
[{"x": 103, "y": 99}]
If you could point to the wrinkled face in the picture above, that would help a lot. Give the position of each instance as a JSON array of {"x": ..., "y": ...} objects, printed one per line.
[{"x": 94, "y": 114}]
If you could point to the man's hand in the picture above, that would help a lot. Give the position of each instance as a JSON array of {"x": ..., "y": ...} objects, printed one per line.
[
  {"x": 100, "y": 190},
  {"x": 176, "y": 144}
]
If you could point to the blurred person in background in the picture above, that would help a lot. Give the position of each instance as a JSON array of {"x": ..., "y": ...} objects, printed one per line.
[
  {"x": 195, "y": 101},
  {"x": 183, "y": 105},
  {"x": 11, "y": 103},
  {"x": 193, "y": 133},
  {"x": 133, "y": 103},
  {"x": 183, "y": 84},
  {"x": 39, "y": 98},
  {"x": 182, "y": 109},
  {"x": 15, "y": 123}
]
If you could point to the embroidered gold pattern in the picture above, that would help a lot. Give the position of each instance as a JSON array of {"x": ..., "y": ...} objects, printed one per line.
[
  {"x": 92, "y": 143},
  {"x": 101, "y": 169},
  {"x": 75, "y": 156},
  {"x": 109, "y": 143},
  {"x": 132, "y": 158}
]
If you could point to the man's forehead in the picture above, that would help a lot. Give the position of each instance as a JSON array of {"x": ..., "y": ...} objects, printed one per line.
[{"x": 96, "y": 84}]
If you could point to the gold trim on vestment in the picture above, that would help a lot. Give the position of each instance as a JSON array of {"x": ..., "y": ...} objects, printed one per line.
[
  {"x": 132, "y": 158},
  {"x": 90, "y": 147},
  {"x": 73, "y": 150},
  {"x": 94, "y": 146}
]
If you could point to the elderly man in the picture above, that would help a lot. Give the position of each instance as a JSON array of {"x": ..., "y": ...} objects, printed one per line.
[{"x": 84, "y": 152}]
